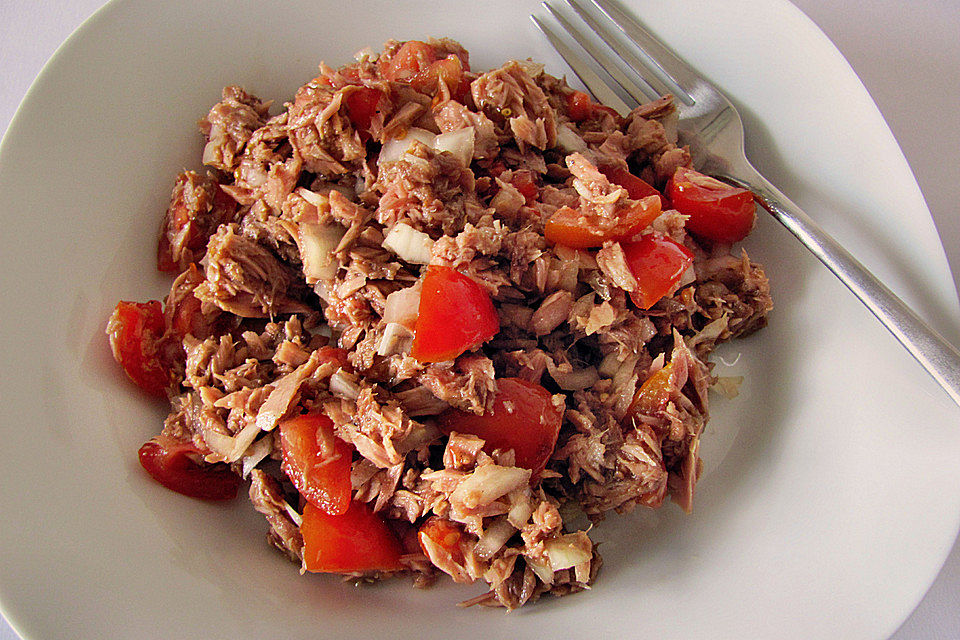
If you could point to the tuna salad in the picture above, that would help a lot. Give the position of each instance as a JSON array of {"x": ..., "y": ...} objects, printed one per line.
[{"x": 428, "y": 316}]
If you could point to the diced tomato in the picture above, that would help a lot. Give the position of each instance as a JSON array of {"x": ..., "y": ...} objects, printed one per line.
[
  {"x": 411, "y": 60},
  {"x": 418, "y": 64},
  {"x": 571, "y": 228},
  {"x": 455, "y": 315},
  {"x": 335, "y": 354},
  {"x": 442, "y": 533},
  {"x": 523, "y": 418},
  {"x": 362, "y": 104},
  {"x": 133, "y": 330},
  {"x": 716, "y": 210},
  {"x": 191, "y": 219},
  {"x": 355, "y": 541},
  {"x": 657, "y": 263},
  {"x": 653, "y": 394},
  {"x": 580, "y": 107},
  {"x": 525, "y": 182},
  {"x": 636, "y": 187},
  {"x": 317, "y": 462},
  {"x": 176, "y": 465}
]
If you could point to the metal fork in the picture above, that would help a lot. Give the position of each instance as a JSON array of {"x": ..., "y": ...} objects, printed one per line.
[{"x": 710, "y": 124}]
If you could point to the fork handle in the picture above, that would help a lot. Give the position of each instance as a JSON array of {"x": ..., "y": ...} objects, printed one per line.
[{"x": 940, "y": 358}]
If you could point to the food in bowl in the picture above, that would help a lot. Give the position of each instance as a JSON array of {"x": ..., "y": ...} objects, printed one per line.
[{"x": 428, "y": 315}]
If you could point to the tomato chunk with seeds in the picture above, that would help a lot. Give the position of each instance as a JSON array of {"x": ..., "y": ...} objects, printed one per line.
[
  {"x": 356, "y": 541},
  {"x": 444, "y": 534},
  {"x": 716, "y": 210},
  {"x": 455, "y": 315},
  {"x": 573, "y": 228},
  {"x": 178, "y": 466},
  {"x": 653, "y": 394},
  {"x": 134, "y": 330},
  {"x": 523, "y": 418},
  {"x": 581, "y": 107},
  {"x": 317, "y": 461},
  {"x": 658, "y": 264}
]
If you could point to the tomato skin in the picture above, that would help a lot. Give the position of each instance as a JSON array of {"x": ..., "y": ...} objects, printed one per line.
[
  {"x": 581, "y": 107},
  {"x": 657, "y": 263},
  {"x": 571, "y": 228},
  {"x": 133, "y": 330},
  {"x": 455, "y": 315},
  {"x": 523, "y": 418},
  {"x": 357, "y": 540},
  {"x": 444, "y": 534},
  {"x": 169, "y": 462},
  {"x": 716, "y": 210},
  {"x": 317, "y": 462},
  {"x": 362, "y": 104},
  {"x": 636, "y": 187}
]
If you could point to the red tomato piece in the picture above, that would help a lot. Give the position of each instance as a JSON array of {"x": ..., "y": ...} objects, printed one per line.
[
  {"x": 580, "y": 107},
  {"x": 455, "y": 315},
  {"x": 358, "y": 540},
  {"x": 657, "y": 263},
  {"x": 410, "y": 61},
  {"x": 176, "y": 465},
  {"x": 636, "y": 187},
  {"x": 523, "y": 418},
  {"x": 716, "y": 210},
  {"x": 317, "y": 462},
  {"x": 335, "y": 354},
  {"x": 442, "y": 533},
  {"x": 525, "y": 182},
  {"x": 362, "y": 104},
  {"x": 571, "y": 228},
  {"x": 133, "y": 330}
]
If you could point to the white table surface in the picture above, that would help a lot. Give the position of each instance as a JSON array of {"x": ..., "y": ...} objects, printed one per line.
[{"x": 907, "y": 53}]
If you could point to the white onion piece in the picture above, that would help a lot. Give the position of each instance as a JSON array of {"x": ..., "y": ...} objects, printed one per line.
[
  {"x": 459, "y": 143},
  {"x": 257, "y": 452},
  {"x": 568, "y": 551},
  {"x": 488, "y": 483},
  {"x": 343, "y": 385},
  {"x": 317, "y": 244},
  {"x": 395, "y": 149},
  {"x": 403, "y": 306},
  {"x": 409, "y": 244},
  {"x": 569, "y": 140},
  {"x": 493, "y": 538}
]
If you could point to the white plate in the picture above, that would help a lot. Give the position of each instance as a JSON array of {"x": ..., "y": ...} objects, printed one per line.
[{"x": 830, "y": 496}]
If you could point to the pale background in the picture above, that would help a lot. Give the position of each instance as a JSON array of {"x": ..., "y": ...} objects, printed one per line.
[{"x": 906, "y": 52}]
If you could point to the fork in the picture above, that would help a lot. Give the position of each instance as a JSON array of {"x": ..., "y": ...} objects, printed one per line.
[{"x": 711, "y": 126}]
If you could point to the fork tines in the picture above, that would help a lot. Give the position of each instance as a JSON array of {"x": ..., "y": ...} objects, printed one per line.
[{"x": 655, "y": 70}]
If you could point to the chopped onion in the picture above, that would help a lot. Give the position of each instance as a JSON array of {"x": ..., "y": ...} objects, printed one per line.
[
  {"x": 459, "y": 143},
  {"x": 573, "y": 380},
  {"x": 396, "y": 339},
  {"x": 395, "y": 149},
  {"x": 317, "y": 244},
  {"x": 343, "y": 385},
  {"x": 609, "y": 365},
  {"x": 403, "y": 306},
  {"x": 568, "y": 551},
  {"x": 409, "y": 244},
  {"x": 569, "y": 140},
  {"x": 543, "y": 572},
  {"x": 493, "y": 538},
  {"x": 257, "y": 452},
  {"x": 488, "y": 483}
]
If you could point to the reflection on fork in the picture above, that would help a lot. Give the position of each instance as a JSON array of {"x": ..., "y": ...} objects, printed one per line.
[{"x": 644, "y": 68}]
